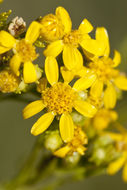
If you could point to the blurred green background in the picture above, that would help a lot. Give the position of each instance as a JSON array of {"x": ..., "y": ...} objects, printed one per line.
[{"x": 15, "y": 139}]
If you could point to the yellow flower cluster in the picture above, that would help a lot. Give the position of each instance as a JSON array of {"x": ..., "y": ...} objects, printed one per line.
[{"x": 79, "y": 76}]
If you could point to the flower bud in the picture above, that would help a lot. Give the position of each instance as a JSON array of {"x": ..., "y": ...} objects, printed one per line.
[
  {"x": 17, "y": 26},
  {"x": 73, "y": 159},
  {"x": 52, "y": 28},
  {"x": 77, "y": 118},
  {"x": 53, "y": 140}
]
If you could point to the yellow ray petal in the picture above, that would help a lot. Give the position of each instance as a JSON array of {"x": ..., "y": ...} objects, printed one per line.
[
  {"x": 85, "y": 26},
  {"x": 66, "y": 127},
  {"x": 72, "y": 58},
  {"x": 116, "y": 165},
  {"x": 7, "y": 39},
  {"x": 117, "y": 58},
  {"x": 54, "y": 49},
  {"x": 15, "y": 63},
  {"x": 29, "y": 72},
  {"x": 66, "y": 74},
  {"x": 110, "y": 97},
  {"x": 82, "y": 72},
  {"x": 33, "y": 108},
  {"x": 3, "y": 49},
  {"x": 124, "y": 174},
  {"x": 33, "y": 32},
  {"x": 92, "y": 46},
  {"x": 102, "y": 35},
  {"x": 85, "y": 108},
  {"x": 63, "y": 15},
  {"x": 51, "y": 70},
  {"x": 121, "y": 82},
  {"x": 42, "y": 123},
  {"x": 84, "y": 82},
  {"x": 62, "y": 152},
  {"x": 97, "y": 88},
  {"x": 81, "y": 150}
]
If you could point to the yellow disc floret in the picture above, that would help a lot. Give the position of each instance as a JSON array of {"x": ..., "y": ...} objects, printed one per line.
[
  {"x": 77, "y": 144},
  {"x": 104, "y": 69},
  {"x": 59, "y": 98},
  {"x": 8, "y": 81},
  {"x": 72, "y": 38},
  {"x": 79, "y": 140},
  {"x": 26, "y": 51}
]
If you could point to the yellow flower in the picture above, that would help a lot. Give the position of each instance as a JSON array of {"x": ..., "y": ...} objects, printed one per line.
[
  {"x": 107, "y": 75},
  {"x": 75, "y": 145},
  {"x": 59, "y": 99},
  {"x": 71, "y": 40},
  {"x": 103, "y": 117},
  {"x": 121, "y": 145},
  {"x": 24, "y": 51}
]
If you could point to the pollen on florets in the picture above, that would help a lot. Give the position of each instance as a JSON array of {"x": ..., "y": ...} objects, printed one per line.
[
  {"x": 8, "y": 81},
  {"x": 104, "y": 69},
  {"x": 59, "y": 98},
  {"x": 72, "y": 38},
  {"x": 26, "y": 50},
  {"x": 79, "y": 140}
]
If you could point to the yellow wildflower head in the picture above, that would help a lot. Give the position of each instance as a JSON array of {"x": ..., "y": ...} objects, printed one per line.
[
  {"x": 8, "y": 81},
  {"x": 104, "y": 69},
  {"x": 77, "y": 144},
  {"x": 103, "y": 117},
  {"x": 59, "y": 100},
  {"x": 108, "y": 78},
  {"x": 71, "y": 40},
  {"x": 24, "y": 51}
]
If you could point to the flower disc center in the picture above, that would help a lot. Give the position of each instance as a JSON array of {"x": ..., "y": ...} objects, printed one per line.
[{"x": 59, "y": 98}]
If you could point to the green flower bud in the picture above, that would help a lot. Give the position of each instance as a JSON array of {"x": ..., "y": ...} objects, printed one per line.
[
  {"x": 53, "y": 141},
  {"x": 73, "y": 159}
]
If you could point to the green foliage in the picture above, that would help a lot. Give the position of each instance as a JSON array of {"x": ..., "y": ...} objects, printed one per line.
[{"x": 3, "y": 19}]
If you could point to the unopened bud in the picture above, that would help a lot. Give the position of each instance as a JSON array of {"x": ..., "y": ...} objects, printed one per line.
[
  {"x": 77, "y": 118},
  {"x": 73, "y": 159},
  {"x": 17, "y": 26},
  {"x": 22, "y": 87},
  {"x": 82, "y": 95},
  {"x": 53, "y": 141},
  {"x": 52, "y": 28}
]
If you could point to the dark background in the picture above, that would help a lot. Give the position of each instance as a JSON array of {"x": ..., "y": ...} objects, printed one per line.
[{"x": 15, "y": 139}]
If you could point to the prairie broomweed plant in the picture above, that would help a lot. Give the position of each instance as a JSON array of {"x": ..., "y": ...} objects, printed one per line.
[{"x": 76, "y": 95}]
